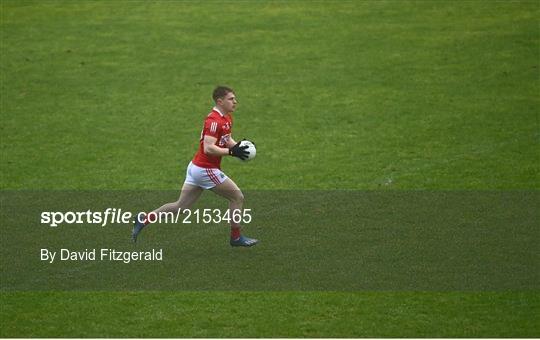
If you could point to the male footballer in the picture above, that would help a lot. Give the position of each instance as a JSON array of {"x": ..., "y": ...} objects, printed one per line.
[{"x": 204, "y": 171}]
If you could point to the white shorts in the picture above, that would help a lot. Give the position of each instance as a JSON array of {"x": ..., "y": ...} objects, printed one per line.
[{"x": 203, "y": 177}]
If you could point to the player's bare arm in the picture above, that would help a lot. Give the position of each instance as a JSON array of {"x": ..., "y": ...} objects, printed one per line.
[{"x": 211, "y": 149}]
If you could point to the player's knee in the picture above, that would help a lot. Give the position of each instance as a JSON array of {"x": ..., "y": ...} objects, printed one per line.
[{"x": 238, "y": 197}]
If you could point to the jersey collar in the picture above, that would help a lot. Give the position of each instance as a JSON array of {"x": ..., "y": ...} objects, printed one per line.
[{"x": 217, "y": 110}]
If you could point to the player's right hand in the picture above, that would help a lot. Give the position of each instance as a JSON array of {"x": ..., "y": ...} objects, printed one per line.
[{"x": 239, "y": 151}]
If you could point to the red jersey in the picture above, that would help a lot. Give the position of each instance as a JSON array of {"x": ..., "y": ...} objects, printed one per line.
[{"x": 220, "y": 127}]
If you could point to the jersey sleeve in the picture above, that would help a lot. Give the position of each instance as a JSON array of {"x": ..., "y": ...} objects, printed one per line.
[{"x": 211, "y": 128}]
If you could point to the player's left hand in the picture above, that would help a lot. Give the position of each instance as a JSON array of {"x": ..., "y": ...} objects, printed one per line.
[{"x": 239, "y": 151}]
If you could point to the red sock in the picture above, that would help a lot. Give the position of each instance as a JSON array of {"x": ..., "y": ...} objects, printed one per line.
[
  {"x": 235, "y": 233},
  {"x": 146, "y": 218}
]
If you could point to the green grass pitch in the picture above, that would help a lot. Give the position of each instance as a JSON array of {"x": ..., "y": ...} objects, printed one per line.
[{"x": 340, "y": 96}]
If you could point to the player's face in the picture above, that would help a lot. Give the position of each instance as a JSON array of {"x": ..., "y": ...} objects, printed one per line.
[{"x": 228, "y": 103}]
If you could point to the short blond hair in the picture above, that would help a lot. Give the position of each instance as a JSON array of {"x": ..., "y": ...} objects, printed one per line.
[{"x": 221, "y": 92}]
